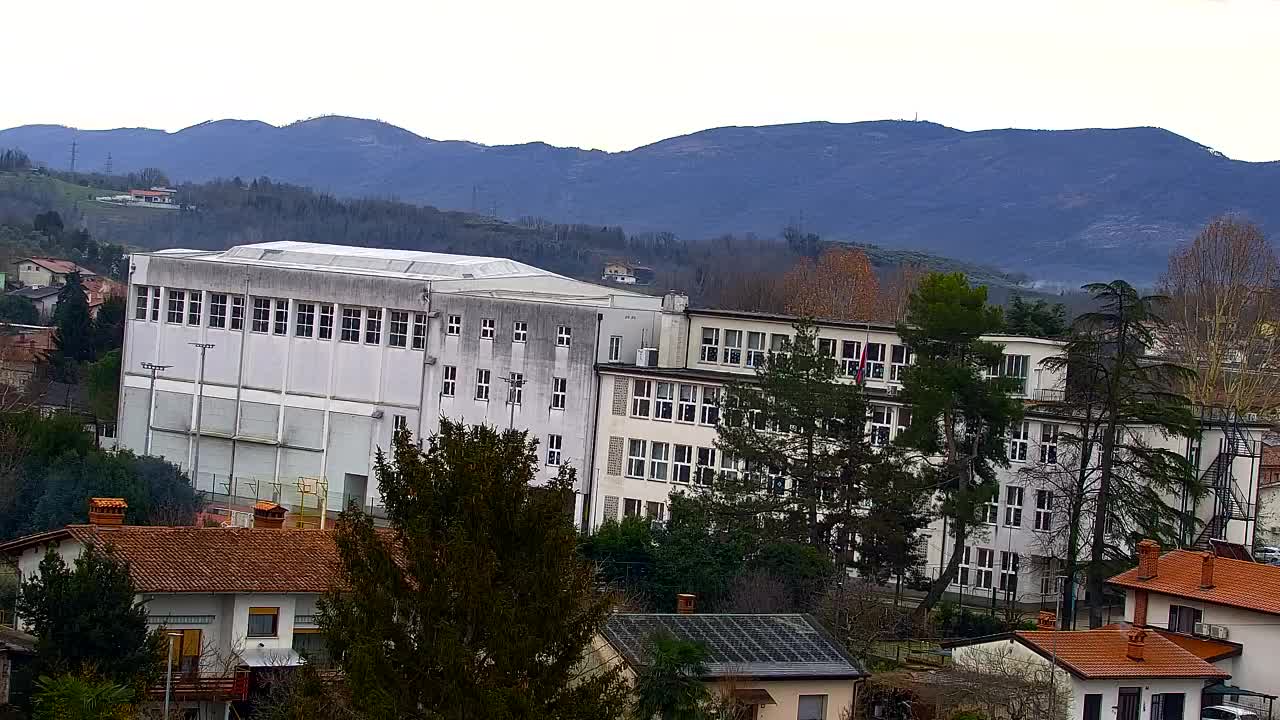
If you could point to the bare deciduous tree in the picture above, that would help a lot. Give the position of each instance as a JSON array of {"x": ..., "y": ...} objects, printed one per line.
[{"x": 840, "y": 284}]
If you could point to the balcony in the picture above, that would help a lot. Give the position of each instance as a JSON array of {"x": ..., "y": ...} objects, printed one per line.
[{"x": 194, "y": 687}]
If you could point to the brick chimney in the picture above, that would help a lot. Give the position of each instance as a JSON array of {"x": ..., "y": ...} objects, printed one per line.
[
  {"x": 685, "y": 603},
  {"x": 267, "y": 514},
  {"x": 1148, "y": 559},
  {"x": 107, "y": 511},
  {"x": 1140, "y": 601},
  {"x": 1137, "y": 642},
  {"x": 1206, "y": 571},
  {"x": 1046, "y": 621}
]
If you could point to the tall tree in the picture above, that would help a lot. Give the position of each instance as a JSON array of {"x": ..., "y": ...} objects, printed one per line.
[
  {"x": 474, "y": 602},
  {"x": 1037, "y": 319},
  {"x": 669, "y": 684},
  {"x": 1223, "y": 316},
  {"x": 19, "y": 310},
  {"x": 1121, "y": 395},
  {"x": 108, "y": 325},
  {"x": 74, "y": 335},
  {"x": 960, "y": 413},
  {"x": 103, "y": 381},
  {"x": 88, "y": 621},
  {"x": 839, "y": 284}
]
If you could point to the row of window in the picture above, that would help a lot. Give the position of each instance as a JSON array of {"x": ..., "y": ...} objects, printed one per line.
[
  {"x": 674, "y": 462},
  {"x": 982, "y": 574},
  {"x": 749, "y": 349},
  {"x": 681, "y": 402},
  {"x": 403, "y": 329},
  {"x": 1020, "y": 443},
  {"x": 514, "y": 382},
  {"x": 653, "y": 510},
  {"x": 519, "y": 330},
  {"x": 1014, "y": 502}
]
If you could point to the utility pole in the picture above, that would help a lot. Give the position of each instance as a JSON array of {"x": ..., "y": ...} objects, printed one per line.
[
  {"x": 151, "y": 404},
  {"x": 107, "y": 170},
  {"x": 195, "y": 464},
  {"x": 73, "y": 156},
  {"x": 512, "y": 386}
]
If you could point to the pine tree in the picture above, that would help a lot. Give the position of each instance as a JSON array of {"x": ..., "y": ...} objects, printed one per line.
[
  {"x": 959, "y": 414},
  {"x": 74, "y": 337},
  {"x": 474, "y": 603}
]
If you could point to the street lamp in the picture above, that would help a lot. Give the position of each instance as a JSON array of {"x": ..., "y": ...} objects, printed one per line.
[
  {"x": 151, "y": 408},
  {"x": 195, "y": 464},
  {"x": 168, "y": 672}
]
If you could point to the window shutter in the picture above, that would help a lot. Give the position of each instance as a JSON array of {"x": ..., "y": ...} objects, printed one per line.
[
  {"x": 621, "y": 388},
  {"x": 614, "y": 466}
]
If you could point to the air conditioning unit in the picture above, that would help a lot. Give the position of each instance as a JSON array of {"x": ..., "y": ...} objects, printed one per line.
[
  {"x": 429, "y": 360},
  {"x": 376, "y": 414},
  {"x": 891, "y": 390},
  {"x": 1218, "y": 632},
  {"x": 1201, "y": 629},
  {"x": 647, "y": 357}
]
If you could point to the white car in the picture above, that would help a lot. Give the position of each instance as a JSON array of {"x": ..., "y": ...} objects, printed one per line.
[
  {"x": 1267, "y": 554},
  {"x": 1227, "y": 712}
]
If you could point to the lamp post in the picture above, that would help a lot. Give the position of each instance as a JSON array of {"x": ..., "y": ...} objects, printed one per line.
[
  {"x": 168, "y": 672},
  {"x": 513, "y": 386},
  {"x": 195, "y": 464},
  {"x": 151, "y": 406}
]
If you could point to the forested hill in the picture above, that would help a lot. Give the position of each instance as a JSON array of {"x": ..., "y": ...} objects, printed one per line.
[{"x": 1066, "y": 205}]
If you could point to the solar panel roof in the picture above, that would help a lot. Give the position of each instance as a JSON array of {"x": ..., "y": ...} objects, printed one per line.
[{"x": 747, "y": 646}]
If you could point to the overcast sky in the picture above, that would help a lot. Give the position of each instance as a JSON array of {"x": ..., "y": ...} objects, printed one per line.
[{"x": 616, "y": 74}]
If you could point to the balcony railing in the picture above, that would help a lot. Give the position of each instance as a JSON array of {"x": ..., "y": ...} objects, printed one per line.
[{"x": 190, "y": 686}]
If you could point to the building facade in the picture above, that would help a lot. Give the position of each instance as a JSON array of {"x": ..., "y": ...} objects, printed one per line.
[{"x": 317, "y": 354}]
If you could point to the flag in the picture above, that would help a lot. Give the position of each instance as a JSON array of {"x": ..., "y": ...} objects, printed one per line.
[{"x": 862, "y": 365}]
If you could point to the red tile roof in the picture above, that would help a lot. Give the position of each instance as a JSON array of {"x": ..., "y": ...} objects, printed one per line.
[
  {"x": 1203, "y": 648},
  {"x": 1103, "y": 654},
  {"x": 1236, "y": 583},
  {"x": 105, "y": 502},
  {"x": 57, "y": 265}
]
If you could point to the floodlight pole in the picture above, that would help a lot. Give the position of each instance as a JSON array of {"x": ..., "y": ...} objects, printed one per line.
[
  {"x": 151, "y": 404},
  {"x": 195, "y": 464}
]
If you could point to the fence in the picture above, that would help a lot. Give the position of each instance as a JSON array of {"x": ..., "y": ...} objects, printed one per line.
[{"x": 308, "y": 500}]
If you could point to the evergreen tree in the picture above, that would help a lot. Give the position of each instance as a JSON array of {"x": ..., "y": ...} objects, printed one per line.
[
  {"x": 108, "y": 326},
  {"x": 474, "y": 603},
  {"x": 959, "y": 414},
  {"x": 1038, "y": 319},
  {"x": 74, "y": 335},
  {"x": 19, "y": 310},
  {"x": 88, "y": 622},
  {"x": 73, "y": 697},
  {"x": 669, "y": 684}
]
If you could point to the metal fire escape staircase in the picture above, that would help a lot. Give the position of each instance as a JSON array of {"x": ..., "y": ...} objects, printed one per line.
[{"x": 1229, "y": 502}]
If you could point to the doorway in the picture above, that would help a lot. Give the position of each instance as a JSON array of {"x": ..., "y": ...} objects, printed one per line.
[{"x": 1130, "y": 703}]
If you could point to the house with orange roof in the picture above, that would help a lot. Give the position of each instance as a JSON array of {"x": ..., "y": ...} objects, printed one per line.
[
  {"x": 44, "y": 271},
  {"x": 1207, "y": 602}
]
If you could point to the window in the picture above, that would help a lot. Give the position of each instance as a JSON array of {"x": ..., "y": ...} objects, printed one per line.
[
  {"x": 811, "y": 707},
  {"x": 682, "y": 464},
  {"x": 659, "y": 456},
  {"x": 559, "y": 392},
  {"x": 688, "y": 409},
  {"x": 755, "y": 349},
  {"x": 729, "y": 465},
  {"x": 519, "y": 332},
  {"x": 1008, "y": 571},
  {"x": 636, "y": 458},
  {"x": 1044, "y": 510},
  {"x": 281, "y": 324},
  {"x": 662, "y": 406},
  {"x": 615, "y": 348},
  {"x": 710, "y": 406},
  {"x": 963, "y": 572},
  {"x": 155, "y": 304},
  {"x": 450, "y": 384},
  {"x": 419, "y": 331},
  {"x": 655, "y": 511},
  {"x": 261, "y": 315},
  {"x": 710, "y": 345},
  {"x": 993, "y": 511},
  {"x": 827, "y": 347},
  {"x": 1049, "y": 576},
  {"x": 217, "y": 310},
  {"x": 850, "y": 357},
  {"x": 263, "y": 621},
  {"x": 177, "y": 305},
  {"x": 733, "y": 347},
  {"x": 1015, "y": 368},
  {"x": 1018, "y": 436},
  {"x": 188, "y": 650},
  {"x": 486, "y": 328},
  {"x": 1093, "y": 706},
  {"x": 904, "y": 420},
  {"x": 1048, "y": 443},
  {"x": 399, "y": 422},
  {"x": 326, "y": 322},
  {"x": 1183, "y": 619},
  {"x": 373, "y": 326},
  {"x": 776, "y": 483},
  {"x": 455, "y": 325},
  {"x": 1170, "y": 706},
  {"x": 706, "y": 465},
  {"x": 304, "y": 319},
  {"x": 881, "y": 424},
  {"x": 482, "y": 385},
  {"x": 1013, "y": 506},
  {"x": 194, "y": 309},
  {"x": 630, "y": 507},
  {"x": 398, "y": 331},
  {"x": 778, "y": 343},
  {"x": 899, "y": 359},
  {"x": 564, "y": 334},
  {"x": 141, "y": 301},
  {"x": 554, "y": 445},
  {"x": 309, "y": 643},
  {"x": 237, "y": 313},
  {"x": 875, "y": 361},
  {"x": 351, "y": 324},
  {"x": 515, "y": 388},
  {"x": 640, "y": 392},
  {"x": 986, "y": 567}
]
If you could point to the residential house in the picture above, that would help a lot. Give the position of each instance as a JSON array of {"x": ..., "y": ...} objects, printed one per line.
[
  {"x": 236, "y": 600},
  {"x": 43, "y": 297},
  {"x": 1209, "y": 597},
  {"x": 1117, "y": 672},
  {"x": 42, "y": 271},
  {"x": 782, "y": 667},
  {"x": 620, "y": 273},
  {"x": 154, "y": 196},
  {"x": 22, "y": 350}
]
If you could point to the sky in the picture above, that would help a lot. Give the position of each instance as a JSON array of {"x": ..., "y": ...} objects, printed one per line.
[{"x": 615, "y": 75}]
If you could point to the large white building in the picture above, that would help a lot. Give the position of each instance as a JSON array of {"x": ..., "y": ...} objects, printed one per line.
[
  {"x": 318, "y": 353},
  {"x": 656, "y": 435}
]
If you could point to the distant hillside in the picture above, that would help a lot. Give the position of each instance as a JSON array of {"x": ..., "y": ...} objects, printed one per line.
[{"x": 1068, "y": 205}]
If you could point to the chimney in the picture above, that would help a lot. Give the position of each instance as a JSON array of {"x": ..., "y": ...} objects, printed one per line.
[
  {"x": 684, "y": 603},
  {"x": 1046, "y": 621},
  {"x": 1206, "y": 571},
  {"x": 267, "y": 514},
  {"x": 1140, "y": 608},
  {"x": 107, "y": 511},
  {"x": 1137, "y": 642},
  {"x": 1148, "y": 559}
]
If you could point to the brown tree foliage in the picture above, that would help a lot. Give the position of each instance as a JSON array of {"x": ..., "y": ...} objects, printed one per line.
[
  {"x": 1223, "y": 316},
  {"x": 896, "y": 291},
  {"x": 839, "y": 285}
]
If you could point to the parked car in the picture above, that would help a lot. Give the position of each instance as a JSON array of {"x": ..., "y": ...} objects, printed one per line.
[
  {"x": 1227, "y": 712},
  {"x": 1268, "y": 554}
]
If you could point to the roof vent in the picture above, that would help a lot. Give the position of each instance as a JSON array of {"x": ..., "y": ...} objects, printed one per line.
[
  {"x": 107, "y": 511},
  {"x": 268, "y": 514},
  {"x": 1206, "y": 571},
  {"x": 1137, "y": 643}
]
